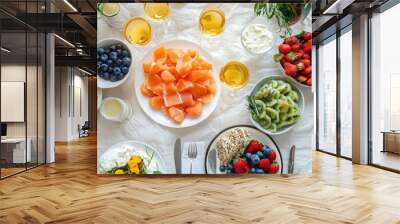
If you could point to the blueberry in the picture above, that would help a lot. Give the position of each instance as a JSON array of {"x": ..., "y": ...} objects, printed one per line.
[
  {"x": 98, "y": 65},
  {"x": 222, "y": 168},
  {"x": 106, "y": 51},
  {"x": 118, "y": 46},
  {"x": 124, "y": 70},
  {"x": 259, "y": 171},
  {"x": 248, "y": 156},
  {"x": 230, "y": 167},
  {"x": 100, "y": 74},
  {"x": 118, "y": 61},
  {"x": 113, "y": 56},
  {"x": 229, "y": 171},
  {"x": 106, "y": 75},
  {"x": 109, "y": 62},
  {"x": 113, "y": 78},
  {"x": 117, "y": 70},
  {"x": 266, "y": 151},
  {"x": 110, "y": 69},
  {"x": 125, "y": 53},
  {"x": 100, "y": 51},
  {"x": 120, "y": 76},
  {"x": 104, "y": 67},
  {"x": 112, "y": 47},
  {"x": 255, "y": 160},
  {"x": 126, "y": 61},
  {"x": 118, "y": 51},
  {"x": 260, "y": 154},
  {"x": 104, "y": 57},
  {"x": 253, "y": 170}
]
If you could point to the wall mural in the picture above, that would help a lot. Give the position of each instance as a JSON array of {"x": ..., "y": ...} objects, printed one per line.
[{"x": 188, "y": 88}]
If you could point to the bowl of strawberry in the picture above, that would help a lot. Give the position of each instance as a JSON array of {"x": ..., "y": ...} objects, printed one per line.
[
  {"x": 294, "y": 57},
  {"x": 258, "y": 158}
]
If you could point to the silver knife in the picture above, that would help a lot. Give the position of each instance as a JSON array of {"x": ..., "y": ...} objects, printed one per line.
[
  {"x": 177, "y": 156},
  {"x": 291, "y": 160}
]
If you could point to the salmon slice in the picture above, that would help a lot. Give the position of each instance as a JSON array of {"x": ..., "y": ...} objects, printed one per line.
[
  {"x": 153, "y": 81},
  {"x": 200, "y": 75},
  {"x": 146, "y": 68},
  {"x": 187, "y": 99},
  {"x": 192, "y": 53},
  {"x": 195, "y": 110},
  {"x": 177, "y": 115},
  {"x": 212, "y": 88},
  {"x": 156, "y": 68},
  {"x": 159, "y": 53},
  {"x": 145, "y": 91},
  {"x": 183, "y": 67},
  {"x": 157, "y": 102},
  {"x": 170, "y": 89},
  {"x": 164, "y": 109},
  {"x": 205, "y": 99},
  {"x": 183, "y": 85},
  {"x": 167, "y": 76},
  {"x": 172, "y": 100},
  {"x": 198, "y": 90},
  {"x": 172, "y": 56}
]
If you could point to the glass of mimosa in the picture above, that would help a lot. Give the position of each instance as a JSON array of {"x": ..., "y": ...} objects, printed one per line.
[
  {"x": 234, "y": 74},
  {"x": 212, "y": 21},
  {"x": 137, "y": 31},
  {"x": 157, "y": 11}
]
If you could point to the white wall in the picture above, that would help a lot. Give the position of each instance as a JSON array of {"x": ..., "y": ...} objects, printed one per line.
[{"x": 69, "y": 85}]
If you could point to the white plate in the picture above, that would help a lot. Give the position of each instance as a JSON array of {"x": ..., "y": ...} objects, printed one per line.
[
  {"x": 212, "y": 165},
  {"x": 99, "y": 97},
  {"x": 120, "y": 153},
  {"x": 300, "y": 103},
  {"x": 103, "y": 83},
  {"x": 157, "y": 115}
]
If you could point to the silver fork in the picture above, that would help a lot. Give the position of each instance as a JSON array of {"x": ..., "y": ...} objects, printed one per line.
[{"x": 192, "y": 154}]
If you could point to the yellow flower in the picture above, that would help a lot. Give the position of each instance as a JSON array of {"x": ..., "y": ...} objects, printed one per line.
[
  {"x": 119, "y": 171},
  {"x": 135, "y": 170},
  {"x": 136, "y": 159},
  {"x": 132, "y": 164}
]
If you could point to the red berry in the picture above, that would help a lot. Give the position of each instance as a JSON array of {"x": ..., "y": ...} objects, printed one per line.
[
  {"x": 284, "y": 48},
  {"x": 306, "y": 62},
  {"x": 272, "y": 156},
  {"x": 290, "y": 69},
  {"x": 254, "y": 146},
  {"x": 306, "y": 36},
  {"x": 241, "y": 166},
  {"x": 274, "y": 168},
  {"x": 309, "y": 82},
  {"x": 264, "y": 164},
  {"x": 295, "y": 47},
  {"x": 301, "y": 78},
  {"x": 306, "y": 56},
  {"x": 291, "y": 40}
]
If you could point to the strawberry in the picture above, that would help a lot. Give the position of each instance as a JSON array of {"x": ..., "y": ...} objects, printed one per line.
[
  {"x": 284, "y": 48},
  {"x": 274, "y": 168},
  {"x": 264, "y": 164},
  {"x": 241, "y": 166},
  {"x": 295, "y": 47},
  {"x": 307, "y": 70},
  {"x": 291, "y": 40},
  {"x": 278, "y": 57},
  {"x": 306, "y": 62},
  {"x": 290, "y": 69},
  {"x": 308, "y": 46},
  {"x": 301, "y": 78},
  {"x": 291, "y": 56},
  {"x": 306, "y": 56},
  {"x": 309, "y": 82},
  {"x": 299, "y": 55},
  {"x": 306, "y": 35},
  {"x": 254, "y": 146},
  {"x": 272, "y": 156}
]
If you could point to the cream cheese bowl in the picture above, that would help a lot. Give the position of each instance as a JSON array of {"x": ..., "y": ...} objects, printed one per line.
[{"x": 258, "y": 37}]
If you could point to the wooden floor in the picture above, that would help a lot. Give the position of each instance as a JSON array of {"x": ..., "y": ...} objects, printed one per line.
[{"x": 69, "y": 191}]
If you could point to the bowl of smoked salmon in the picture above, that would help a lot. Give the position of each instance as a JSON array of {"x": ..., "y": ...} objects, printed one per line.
[{"x": 177, "y": 84}]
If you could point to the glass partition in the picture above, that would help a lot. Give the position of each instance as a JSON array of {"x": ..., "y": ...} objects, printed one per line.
[{"x": 327, "y": 96}]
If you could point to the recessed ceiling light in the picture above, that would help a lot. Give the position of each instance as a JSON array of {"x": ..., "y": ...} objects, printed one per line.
[
  {"x": 5, "y": 50},
  {"x": 64, "y": 40},
  {"x": 70, "y": 5}
]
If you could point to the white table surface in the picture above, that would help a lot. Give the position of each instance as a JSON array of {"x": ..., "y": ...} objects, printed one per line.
[{"x": 183, "y": 24}]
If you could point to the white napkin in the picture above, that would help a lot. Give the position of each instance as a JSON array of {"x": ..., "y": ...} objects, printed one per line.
[{"x": 198, "y": 163}]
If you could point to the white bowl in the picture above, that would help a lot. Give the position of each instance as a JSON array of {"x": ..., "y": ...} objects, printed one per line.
[
  {"x": 300, "y": 103},
  {"x": 262, "y": 21},
  {"x": 157, "y": 115},
  {"x": 106, "y": 84}
]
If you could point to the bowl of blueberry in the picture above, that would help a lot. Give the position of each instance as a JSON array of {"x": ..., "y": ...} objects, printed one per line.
[{"x": 114, "y": 62}]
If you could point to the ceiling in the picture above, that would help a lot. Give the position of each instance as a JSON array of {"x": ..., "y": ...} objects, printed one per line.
[{"x": 72, "y": 20}]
